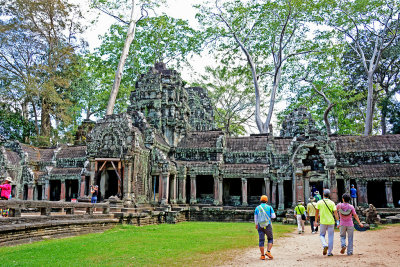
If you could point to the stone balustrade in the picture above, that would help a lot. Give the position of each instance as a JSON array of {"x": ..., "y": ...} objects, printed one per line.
[{"x": 18, "y": 207}]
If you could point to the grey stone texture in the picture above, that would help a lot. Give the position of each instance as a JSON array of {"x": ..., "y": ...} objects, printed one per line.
[{"x": 166, "y": 150}]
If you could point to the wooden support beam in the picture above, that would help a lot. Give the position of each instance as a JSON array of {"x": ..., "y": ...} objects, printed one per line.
[{"x": 102, "y": 166}]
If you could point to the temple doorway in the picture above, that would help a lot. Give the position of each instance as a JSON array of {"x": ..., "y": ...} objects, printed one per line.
[
  {"x": 396, "y": 194},
  {"x": 255, "y": 189},
  {"x": 71, "y": 189},
  {"x": 110, "y": 184},
  {"x": 205, "y": 189},
  {"x": 232, "y": 192},
  {"x": 317, "y": 186},
  {"x": 55, "y": 190},
  {"x": 288, "y": 192},
  {"x": 341, "y": 189},
  {"x": 376, "y": 193},
  {"x": 25, "y": 194},
  {"x": 39, "y": 191}
]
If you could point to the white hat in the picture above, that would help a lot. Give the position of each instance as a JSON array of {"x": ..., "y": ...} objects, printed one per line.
[{"x": 9, "y": 179}]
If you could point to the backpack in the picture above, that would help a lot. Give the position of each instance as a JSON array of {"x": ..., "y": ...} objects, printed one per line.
[{"x": 263, "y": 218}]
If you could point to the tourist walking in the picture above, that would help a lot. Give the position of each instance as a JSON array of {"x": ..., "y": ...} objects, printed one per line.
[
  {"x": 300, "y": 215},
  {"x": 346, "y": 214},
  {"x": 353, "y": 194},
  {"x": 5, "y": 194},
  {"x": 326, "y": 214},
  {"x": 311, "y": 209},
  {"x": 263, "y": 215}
]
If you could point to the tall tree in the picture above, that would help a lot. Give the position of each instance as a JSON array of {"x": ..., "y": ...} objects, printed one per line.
[
  {"x": 270, "y": 34},
  {"x": 376, "y": 22},
  {"x": 39, "y": 40},
  {"x": 114, "y": 8}
]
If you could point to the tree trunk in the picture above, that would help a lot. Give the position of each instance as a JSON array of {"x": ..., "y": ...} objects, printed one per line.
[
  {"x": 383, "y": 122},
  {"x": 36, "y": 118},
  {"x": 370, "y": 110},
  {"x": 45, "y": 125},
  {"x": 125, "y": 51},
  {"x": 272, "y": 100},
  {"x": 326, "y": 120}
]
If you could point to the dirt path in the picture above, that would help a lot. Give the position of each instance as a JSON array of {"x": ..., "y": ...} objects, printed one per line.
[{"x": 306, "y": 250}]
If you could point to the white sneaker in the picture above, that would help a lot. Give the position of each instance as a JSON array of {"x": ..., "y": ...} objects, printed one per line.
[{"x": 313, "y": 232}]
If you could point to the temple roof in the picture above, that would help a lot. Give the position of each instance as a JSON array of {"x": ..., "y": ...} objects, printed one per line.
[
  {"x": 382, "y": 171},
  {"x": 243, "y": 168},
  {"x": 200, "y": 139},
  {"x": 38, "y": 154},
  {"x": 12, "y": 157},
  {"x": 66, "y": 171},
  {"x": 71, "y": 152},
  {"x": 346, "y": 144},
  {"x": 282, "y": 145},
  {"x": 248, "y": 143}
]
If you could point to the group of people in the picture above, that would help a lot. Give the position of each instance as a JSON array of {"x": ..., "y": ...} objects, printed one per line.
[{"x": 323, "y": 214}]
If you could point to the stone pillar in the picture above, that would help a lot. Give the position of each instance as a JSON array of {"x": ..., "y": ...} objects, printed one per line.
[
  {"x": 181, "y": 189},
  {"x": 160, "y": 185},
  {"x": 389, "y": 194},
  {"x": 294, "y": 191},
  {"x": 346, "y": 187},
  {"x": 62, "y": 194},
  {"x": 164, "y": 188},
  {"x": 267, "y": 188},
  {"x": 46, "y": 195},
  {"x": 30, "y": 192},
  {"x": 172, "y": 190},
  {"x": 193, "y": 199},
  {"x": 362, "y": 193},
  {"x": 216, "y": 191},
  {"x": 273, "y": 194},
  {"x": 333, "y": 185},
  {"x": 83, "y": 186},
  {"x": 44, "y": 192},
  {"x": 92, "y": 171},
  {"x": 244, "y": 192},
  {"x": 127, "y": 182},
  {"x": 281, "y": 193},
  {"x": 300, "y": 188},
  {"x": 220, "y": 190},
  {"x": 306, "y": 189}
]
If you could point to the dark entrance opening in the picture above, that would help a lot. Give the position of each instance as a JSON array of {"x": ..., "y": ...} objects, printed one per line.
[
  {"x": 205, "y": 189},
  {"x": 55, "y": 190},
  {"x": 288, "y": 192},
  {"x": 254, "y": 190},
  {"x": 232, "y": 193},
  {"x": 376, "y": 193},
  {"x": 319, "y": 186},
  {"x": 87, "y": 185},
  {"x": 341, "y": 189},
  {"x": 111, "y": 184},
  {"x": 188, "y": 186},
  {"x": 39, "y": 191},
  {"x": 71, "y": 189},
  {"x": 25, "y": 191},
  {"x": 396, "y": 194},
  {"x": 155, "y": 188},
  {"x": 13, "y": 191},
  {"x": 171, "y": 189}
]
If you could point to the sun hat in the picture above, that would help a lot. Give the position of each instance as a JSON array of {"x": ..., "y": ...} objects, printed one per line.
[
  {"x": 9, "y": 179},
  {"x": 264, "y": 198}
]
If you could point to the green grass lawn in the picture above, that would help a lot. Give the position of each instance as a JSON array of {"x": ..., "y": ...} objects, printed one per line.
[{"x": 188, "y": 243}]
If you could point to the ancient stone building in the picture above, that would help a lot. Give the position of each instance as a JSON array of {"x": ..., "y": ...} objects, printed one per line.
[{"x": 166, "y": 150}]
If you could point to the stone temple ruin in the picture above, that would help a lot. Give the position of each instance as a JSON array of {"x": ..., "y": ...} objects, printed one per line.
[{"x": 166, "y": 150}]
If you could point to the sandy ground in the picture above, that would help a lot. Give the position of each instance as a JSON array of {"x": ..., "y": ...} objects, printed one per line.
[{"x": 371, "y": 248}]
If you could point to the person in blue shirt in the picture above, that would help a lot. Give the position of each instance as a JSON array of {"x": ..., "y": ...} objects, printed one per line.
[
  {"x": 264, "y": 211},
  {"x": 353, "y": 195}
]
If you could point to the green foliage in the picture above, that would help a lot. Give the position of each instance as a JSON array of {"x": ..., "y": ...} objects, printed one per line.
[
  {"x": 231, "y": 93},
  {"x": 183, "y": 244},
  {"x": 14, "y": 126},
  {"x": 157, "y": 39}
]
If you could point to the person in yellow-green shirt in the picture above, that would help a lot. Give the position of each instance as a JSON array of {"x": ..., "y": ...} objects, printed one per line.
[
  {"x": 326, "y": 214},
  {"x": 311, "y": 209},
  {"x": 300, "y": 214}
]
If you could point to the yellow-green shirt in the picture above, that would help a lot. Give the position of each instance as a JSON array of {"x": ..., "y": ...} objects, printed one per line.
[
  {"x": 311, "y": 209},
  {"x": 326, "y": 217},
  {"x": 299, "y": 209}
]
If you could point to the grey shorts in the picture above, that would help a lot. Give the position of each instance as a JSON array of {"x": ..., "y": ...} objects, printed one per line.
[{"x": 261, "y": 235}]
